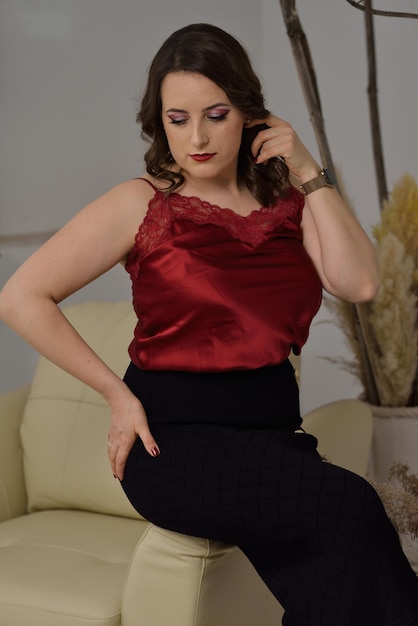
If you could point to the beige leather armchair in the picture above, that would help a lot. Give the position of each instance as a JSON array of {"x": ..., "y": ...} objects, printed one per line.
[{"x": 72, "y": 550}]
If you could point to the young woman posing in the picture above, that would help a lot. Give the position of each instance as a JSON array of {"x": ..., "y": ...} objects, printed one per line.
[{"x": 229, "y": 238}]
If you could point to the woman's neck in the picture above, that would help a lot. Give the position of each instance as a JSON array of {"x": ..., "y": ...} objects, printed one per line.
[{"x": 232, "y": 196}]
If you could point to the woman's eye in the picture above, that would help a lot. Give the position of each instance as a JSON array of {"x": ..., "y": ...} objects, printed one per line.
[
  {"x": 214, "y": 116},
  {"x": 177, "y": 120},
  {"x": 217, "y": 117}
]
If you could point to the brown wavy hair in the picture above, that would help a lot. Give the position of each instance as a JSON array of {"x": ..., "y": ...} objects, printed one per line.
[{"x": 208, "y": 50}]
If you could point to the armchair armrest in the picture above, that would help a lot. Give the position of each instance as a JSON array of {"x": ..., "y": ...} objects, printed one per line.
[
  {"x": 12, "y": 485},
  {"x": 344, "y": 432},
  {"x": 189, "y": 581}
]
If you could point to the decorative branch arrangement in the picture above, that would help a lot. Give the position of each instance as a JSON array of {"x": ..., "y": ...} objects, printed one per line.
[
  {"x": 382, "y": 335},
  {"x": 390, "y": 321},
  {"x": 306, "y": 72},
  {"x": 361, "y": 6}
]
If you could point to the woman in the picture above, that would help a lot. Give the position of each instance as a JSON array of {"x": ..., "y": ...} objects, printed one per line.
[{"x": 228, "y": 260}]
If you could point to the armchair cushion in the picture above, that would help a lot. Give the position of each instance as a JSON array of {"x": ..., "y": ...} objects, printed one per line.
[{"x": 65, "y": 568}]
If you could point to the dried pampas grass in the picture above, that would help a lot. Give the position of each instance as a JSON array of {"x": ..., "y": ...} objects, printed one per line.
[
  {"x": 400, "y": 499},
  {"x": 383, "y": 335}
]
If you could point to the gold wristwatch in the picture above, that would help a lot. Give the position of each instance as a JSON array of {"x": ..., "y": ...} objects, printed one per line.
[{"x": 322, "y": 180}]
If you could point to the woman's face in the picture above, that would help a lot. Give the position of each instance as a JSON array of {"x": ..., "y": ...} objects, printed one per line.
[{"x": 202, "y": 127}]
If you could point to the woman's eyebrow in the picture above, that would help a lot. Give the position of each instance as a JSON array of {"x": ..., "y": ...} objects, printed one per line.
[{"x": 212, "y": 106}]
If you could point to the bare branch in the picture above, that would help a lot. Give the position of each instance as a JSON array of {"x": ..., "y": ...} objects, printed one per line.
[
  {"x": 373, "y": 105},
  {"x": 359, "y": 5},
  {"x": 306, "y": 72}
]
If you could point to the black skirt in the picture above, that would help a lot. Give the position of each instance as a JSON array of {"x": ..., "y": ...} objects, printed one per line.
[{"x": 236, "y": 466}]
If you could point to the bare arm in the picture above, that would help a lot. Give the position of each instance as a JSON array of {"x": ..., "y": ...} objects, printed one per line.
[
  {"x": 95, "y": 240},
  {"x": 343, "y": 254}
]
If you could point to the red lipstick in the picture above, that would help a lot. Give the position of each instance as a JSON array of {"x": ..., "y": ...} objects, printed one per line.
[{"x": 202, "y": 157}]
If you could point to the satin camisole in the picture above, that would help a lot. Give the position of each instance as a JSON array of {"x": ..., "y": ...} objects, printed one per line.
[{"x": 216, "y": 291}]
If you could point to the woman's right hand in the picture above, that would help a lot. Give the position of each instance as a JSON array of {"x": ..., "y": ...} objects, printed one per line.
[{"x": 129, "y": 421}]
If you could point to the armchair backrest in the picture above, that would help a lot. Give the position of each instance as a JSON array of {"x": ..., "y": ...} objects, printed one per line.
[{"x": 65, "y": 423}]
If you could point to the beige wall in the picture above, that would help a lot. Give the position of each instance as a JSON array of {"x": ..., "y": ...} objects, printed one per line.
[{"x": 70, "y": 75}]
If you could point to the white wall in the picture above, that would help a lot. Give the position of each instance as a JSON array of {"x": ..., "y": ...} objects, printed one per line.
[{"x": 70, "y": 76}]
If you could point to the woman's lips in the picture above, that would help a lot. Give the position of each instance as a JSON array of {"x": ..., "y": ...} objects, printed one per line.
[{"x": 202, "y": 157}]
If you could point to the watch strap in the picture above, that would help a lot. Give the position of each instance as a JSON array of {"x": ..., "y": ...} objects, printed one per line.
[{"x": 322, "y": 180}]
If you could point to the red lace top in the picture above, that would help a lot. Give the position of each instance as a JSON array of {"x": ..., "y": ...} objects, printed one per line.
[{"x": 215, "y": 291}]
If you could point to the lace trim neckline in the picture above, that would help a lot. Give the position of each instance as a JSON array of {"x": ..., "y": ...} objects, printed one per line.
[
  {"x": 252, "y": 229},
  {"x": 206, "y": 204}
]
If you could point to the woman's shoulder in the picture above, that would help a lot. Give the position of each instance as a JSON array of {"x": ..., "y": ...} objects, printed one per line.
[
  {"x": 140, "y": 188},
  {"x": 126, "y": 205},
  {"x": 132, "y": 197}
]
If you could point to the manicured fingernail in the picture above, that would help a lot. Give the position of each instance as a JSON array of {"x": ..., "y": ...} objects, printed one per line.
[{"x": 155, "y": 451}]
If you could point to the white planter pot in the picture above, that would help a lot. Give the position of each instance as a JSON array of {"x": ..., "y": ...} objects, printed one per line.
[{"x": 395, "y": 439}]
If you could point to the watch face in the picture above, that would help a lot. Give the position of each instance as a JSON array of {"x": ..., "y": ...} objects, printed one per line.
[{"x": 328, "y": 177}]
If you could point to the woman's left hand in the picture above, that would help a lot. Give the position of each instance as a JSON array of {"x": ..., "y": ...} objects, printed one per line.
[{"x": 280, "y": 140}]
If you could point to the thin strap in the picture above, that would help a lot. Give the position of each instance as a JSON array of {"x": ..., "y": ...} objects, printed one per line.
[{"x": 147, "y": 181}]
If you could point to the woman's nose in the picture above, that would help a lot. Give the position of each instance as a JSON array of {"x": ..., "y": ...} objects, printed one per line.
[{"x": 199, "y": 136}]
